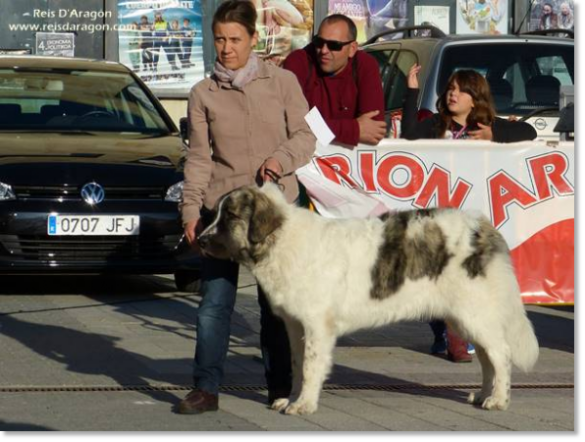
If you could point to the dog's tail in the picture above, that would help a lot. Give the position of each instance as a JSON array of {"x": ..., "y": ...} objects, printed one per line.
[{"x": 521, "y": 339}]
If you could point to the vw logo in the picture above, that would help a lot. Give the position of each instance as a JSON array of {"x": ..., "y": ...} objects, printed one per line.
[{"x": 92, "y": 193}]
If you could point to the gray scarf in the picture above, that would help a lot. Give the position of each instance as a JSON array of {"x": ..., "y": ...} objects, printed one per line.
[{"x": 240, "y": 77}]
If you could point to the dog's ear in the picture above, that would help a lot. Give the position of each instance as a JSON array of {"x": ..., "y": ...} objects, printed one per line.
[{"x": 264, "y": 220}]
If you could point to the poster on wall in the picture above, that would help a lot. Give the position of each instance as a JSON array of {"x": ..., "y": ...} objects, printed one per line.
[
  {"x": 552, "y": 14},
  {"x": 283, "y": 26},
  {"x": 373, "y": 16},
  {"x": 161, "y": 40},
  {"x": 482, "y": 17},
  {"x": 437, "y": 16},
  {"x": 57, "y": 44}
]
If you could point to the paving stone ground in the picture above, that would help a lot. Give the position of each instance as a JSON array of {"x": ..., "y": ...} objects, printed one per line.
[{"x": 125, "y": 331}]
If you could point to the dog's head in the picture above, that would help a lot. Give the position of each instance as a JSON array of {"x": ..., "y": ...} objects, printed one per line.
[{"x": 246, "y": 220}]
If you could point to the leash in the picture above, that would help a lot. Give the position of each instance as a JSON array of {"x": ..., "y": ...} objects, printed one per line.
[{"x": 275, "y": 177}]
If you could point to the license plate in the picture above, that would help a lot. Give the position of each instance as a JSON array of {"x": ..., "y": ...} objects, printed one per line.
[{"x": 93, "y": 225}]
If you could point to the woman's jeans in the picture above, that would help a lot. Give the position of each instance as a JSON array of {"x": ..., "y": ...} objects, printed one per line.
[{"x": 219, "y": 283}]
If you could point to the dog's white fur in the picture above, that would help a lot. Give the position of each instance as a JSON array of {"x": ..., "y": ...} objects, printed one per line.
[{"x": 318, "y": 278}]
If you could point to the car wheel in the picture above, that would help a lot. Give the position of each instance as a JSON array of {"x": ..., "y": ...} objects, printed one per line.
[{"x": 188, "y": 281}]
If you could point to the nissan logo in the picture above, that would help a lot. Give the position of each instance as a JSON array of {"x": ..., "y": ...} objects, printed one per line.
[{"x": 92, "y": 193}]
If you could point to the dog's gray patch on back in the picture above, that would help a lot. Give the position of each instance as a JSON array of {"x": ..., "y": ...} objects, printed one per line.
[
  {"x": 401, "y": 257},
  {"x": 486, "y": 242}
]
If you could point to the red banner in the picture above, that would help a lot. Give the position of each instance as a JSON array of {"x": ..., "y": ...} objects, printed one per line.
[{"x": 526, "y": 189}]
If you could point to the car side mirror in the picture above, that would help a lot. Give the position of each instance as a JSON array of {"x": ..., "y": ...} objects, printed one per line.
[{"x": 184, "y": 128}]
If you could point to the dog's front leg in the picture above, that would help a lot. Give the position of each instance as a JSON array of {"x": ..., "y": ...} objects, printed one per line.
[
  {"x": 318, "y": 355},
  {"x": 295, "y": 333}
]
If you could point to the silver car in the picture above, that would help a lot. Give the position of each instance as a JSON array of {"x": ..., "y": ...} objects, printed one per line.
[{"x": 525, "y": 72}]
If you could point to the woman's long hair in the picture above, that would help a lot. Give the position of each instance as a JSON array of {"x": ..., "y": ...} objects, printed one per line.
[{"x": 475, "y": 85}]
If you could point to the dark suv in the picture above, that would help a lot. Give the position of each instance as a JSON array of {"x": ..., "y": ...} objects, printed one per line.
[
  {"x": 90, "y": 172},
  {"x": 525, "y": 72}
]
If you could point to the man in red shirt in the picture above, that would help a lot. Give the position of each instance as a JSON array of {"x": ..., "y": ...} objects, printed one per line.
[{"x": 342, "y": 82}]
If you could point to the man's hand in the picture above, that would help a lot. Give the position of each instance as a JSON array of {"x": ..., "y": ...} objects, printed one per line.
[
  {"x": 483, "y": 133},
  {"x": 412, "y": 79},
  {"x": 191, "y": 230},
  {"x": 371, "y": 131},
  {"x": 271, "y": 170}
]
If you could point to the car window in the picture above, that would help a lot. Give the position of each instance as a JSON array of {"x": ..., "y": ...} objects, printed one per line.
[
  {"x": 555, "y": 65},
  {"x": 75, "y": 100},
  {"x": 522, "y": 77},
  {"x": 385, "y": 61},
  {"x": 394, "y": 65},
  {"x": 398, "y": 86}
]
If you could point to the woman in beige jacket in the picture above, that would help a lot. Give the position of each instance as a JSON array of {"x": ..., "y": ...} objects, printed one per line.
[{"x": 246, "y": 126}]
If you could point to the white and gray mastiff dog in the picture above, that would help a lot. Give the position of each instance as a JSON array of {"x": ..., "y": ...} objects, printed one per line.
[{"x": 329, "y": 277}]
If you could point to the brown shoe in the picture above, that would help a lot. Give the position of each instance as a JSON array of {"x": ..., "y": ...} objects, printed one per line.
[
  {"x": 197, "y": 402},
  {"x": 457, "y": 348}
]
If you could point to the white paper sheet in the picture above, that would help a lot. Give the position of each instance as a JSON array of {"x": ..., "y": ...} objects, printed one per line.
[{"x": 320, "y": 129}]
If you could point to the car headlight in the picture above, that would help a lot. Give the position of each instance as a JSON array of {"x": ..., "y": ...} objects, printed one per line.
[
  {"x": 175, "y": 193},
  {"x": 6, "y": 192}
]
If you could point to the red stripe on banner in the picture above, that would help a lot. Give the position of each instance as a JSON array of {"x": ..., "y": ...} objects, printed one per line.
[{"x": 545, "y": 265}]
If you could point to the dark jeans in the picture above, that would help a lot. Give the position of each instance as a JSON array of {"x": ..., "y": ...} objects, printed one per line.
[
  {"x": 439, "y": 328},
  {"x": 219, "y": 282}
]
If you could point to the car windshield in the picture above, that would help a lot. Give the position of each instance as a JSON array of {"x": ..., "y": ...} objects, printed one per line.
[
  {"x": 64, "y": 100},
  {"x": 522, "y": 77}
]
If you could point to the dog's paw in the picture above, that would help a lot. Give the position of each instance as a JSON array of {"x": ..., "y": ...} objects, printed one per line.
[
  {"x": 301, "y": 408},
  {"x": 280, "y": 404},
  {"x": 494, "y": 403}
]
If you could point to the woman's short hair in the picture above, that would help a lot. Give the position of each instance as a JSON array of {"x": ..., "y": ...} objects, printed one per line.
[
  {"x": 474, "y": 84},
  {"x": 242, "y": 12}
]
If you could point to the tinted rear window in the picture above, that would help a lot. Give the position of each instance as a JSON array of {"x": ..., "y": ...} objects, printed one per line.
[{"x": 522, "y": 76}]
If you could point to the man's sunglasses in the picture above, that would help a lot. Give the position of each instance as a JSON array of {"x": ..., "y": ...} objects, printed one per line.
[{"x": 333, "y": 45}]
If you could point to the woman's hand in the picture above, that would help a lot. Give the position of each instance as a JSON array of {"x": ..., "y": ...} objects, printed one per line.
[
  {"x": 483, "y": 133},
  {"x": 191, "y": 230},
  {"x": 271, "y": 170},
  {"x": 412, "y": 79}
]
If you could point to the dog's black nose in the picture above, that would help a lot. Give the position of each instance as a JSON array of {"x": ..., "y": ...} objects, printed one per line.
[{"x": 203, "y": 241}]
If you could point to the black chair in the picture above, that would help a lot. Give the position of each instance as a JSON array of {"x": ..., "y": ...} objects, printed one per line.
[
  {"x": 502, "y": 92},
  {"x": 543, "y": 91}
]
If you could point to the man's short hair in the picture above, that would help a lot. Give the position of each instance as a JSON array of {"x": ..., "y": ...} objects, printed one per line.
[{"x": 335, "y": 18}]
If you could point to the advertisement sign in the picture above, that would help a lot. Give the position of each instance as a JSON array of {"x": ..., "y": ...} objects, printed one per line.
[
  {"x": 526, "y": 189},
  {"x": 161, "y": 40},
  {"x": 437, "y": 16},
  {"x": 60, "y": 44},
  {"x": 283, "y": 26},
  {"x": 552, "y": 14},
  {"x": 482, "y": 17},
  {"x": 372, "y": 16}
]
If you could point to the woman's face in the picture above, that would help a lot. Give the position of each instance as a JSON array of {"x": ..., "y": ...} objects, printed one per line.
[
  {"x": 459, "y": 102},
  {"x": 233, "y": 44}
]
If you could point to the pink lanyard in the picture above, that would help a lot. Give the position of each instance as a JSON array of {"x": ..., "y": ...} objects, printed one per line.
[{"x": 460, "y": 132}]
